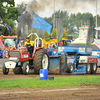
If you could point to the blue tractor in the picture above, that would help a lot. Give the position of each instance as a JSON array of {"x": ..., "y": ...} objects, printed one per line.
[{"x": 74, "y": 60}]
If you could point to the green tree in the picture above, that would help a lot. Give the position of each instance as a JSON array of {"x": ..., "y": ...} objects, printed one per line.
[
  {"x": 54, "y": 32},
  {"x": 98, "y": 20},
  {"x": 8, "y": 10},
  {"x": 72, "y": 22},
  {"x": 9, "y": 14},
  {"x": 46, "y": 36},
  {"x": 65, "y": 34}
]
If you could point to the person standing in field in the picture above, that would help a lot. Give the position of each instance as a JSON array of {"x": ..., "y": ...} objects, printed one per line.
[
  {"x": 1, "y": 53},
  {"x": 4, "y": 52}
]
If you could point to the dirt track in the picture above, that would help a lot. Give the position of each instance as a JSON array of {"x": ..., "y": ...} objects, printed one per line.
[{"x": 66, "y": 93}]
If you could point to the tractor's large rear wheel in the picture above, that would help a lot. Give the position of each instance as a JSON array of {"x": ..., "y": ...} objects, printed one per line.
[
  {"x": 17, "y": 70},
  {"x": 41, "y": 60}
]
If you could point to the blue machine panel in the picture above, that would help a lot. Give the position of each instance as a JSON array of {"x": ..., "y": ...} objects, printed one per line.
[
  {"x": 54, "y": 62},
  {"x": 76, "y": 50}
]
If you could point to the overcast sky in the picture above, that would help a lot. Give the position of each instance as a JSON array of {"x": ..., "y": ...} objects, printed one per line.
[{"x": 71, "y": 6}]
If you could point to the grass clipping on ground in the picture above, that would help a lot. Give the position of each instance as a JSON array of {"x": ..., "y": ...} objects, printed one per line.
[{"x": 57, "y": 82}]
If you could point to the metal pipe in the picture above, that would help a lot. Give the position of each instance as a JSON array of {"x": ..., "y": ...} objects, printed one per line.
[
  {"x": 54, "y": 15},
  {"x": 96, "y": 13},
  {"x": 96, "y": 21}
]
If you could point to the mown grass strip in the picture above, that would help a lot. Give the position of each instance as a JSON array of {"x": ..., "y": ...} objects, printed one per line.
[
  {"x": 9, "y": 69},
  {"x": 57, "y": 82}
]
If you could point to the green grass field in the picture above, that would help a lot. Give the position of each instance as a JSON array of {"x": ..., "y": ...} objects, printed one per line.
[{"x": 57, "y": 82}]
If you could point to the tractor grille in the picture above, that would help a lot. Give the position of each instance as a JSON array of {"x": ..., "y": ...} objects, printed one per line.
[{"x": 15, "y": 54}]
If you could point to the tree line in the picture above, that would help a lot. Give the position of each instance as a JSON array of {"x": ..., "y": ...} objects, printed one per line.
[{"x": 71, "y": 22}]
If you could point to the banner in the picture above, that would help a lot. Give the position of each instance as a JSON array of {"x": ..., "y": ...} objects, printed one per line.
[
  {"x": 3, "y": 24},
  {"x": 40, "y": 23}
]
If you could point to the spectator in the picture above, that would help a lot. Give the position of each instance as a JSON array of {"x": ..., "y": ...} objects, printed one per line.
[
  {"x": 61, "y": 43},
  {"x": 54, "y": 46},
  {"x": 5, "y": 53},
  {"x": 1, "y": 53},
  {"x": 9, "y": 49},
  {"x": 22, "y": 42}
]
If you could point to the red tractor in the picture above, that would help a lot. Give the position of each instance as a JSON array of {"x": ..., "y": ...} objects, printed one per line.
[{"x": 21, "y": 62}]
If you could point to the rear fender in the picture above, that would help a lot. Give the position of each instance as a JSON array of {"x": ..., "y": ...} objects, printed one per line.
[{"x": 36, "y": 49}]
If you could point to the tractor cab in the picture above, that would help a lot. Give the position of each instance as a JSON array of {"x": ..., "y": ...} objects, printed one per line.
[
  {"x": 6, "y": 41},
  {"x": 9, "y": 42}
]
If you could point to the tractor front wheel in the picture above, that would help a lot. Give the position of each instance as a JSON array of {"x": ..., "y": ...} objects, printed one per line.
[
  {"x": 41, "y": 60},
  {"x": 17, "y": 70},
  {"x": 26, "y": 68},
  {"x": 5, "y": 70}
]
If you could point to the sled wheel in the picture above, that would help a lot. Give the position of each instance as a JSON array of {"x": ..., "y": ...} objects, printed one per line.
[
  {"x": 93, "y": 68},
  {"x": 88, "y": 68},
  {"x": 70, "y": 67}
]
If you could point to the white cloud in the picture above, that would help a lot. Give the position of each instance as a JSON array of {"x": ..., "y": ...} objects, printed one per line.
[
  {"x": 89, "y": 7},
  {"x": 20, "y": 1}
]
